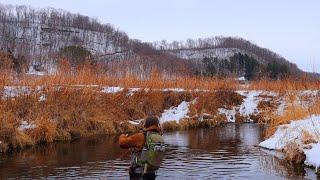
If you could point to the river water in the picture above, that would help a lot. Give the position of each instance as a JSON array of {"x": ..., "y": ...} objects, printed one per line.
[{"x": 226, "y": 152}]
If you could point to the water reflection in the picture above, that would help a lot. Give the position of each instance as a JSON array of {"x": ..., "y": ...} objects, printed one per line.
[{"x": 222, "y": 152}]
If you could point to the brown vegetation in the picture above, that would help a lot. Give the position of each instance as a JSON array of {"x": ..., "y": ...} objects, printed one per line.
[
  {"x": 294, "y": 154},
  {"x": 293, "y": 112},
  {"x": 74, "y": 106}
]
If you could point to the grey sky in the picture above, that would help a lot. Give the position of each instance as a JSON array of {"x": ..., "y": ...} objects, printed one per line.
[{"x": 289, "y": 27}]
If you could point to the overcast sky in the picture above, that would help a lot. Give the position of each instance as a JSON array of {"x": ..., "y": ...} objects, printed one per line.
[{"x": 291, "y": 28}]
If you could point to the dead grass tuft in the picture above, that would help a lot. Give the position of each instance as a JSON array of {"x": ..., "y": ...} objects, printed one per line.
[
  {"x": 210, "y": 102},
  {"x": 307, "y": 138},
  {"x": 294, "y": 154}
]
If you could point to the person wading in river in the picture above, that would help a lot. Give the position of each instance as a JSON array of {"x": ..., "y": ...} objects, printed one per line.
[{"x": 147, "y": 149}]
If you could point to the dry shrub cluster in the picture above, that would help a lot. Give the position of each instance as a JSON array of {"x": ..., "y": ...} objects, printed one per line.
[
  {"x": 209, "y": 102},
  {"x": 192, "y": 123},
  {"x": 294, "y": 154}
]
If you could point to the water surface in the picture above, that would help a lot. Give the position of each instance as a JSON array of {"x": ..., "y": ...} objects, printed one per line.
[{"x": 226, "y": 152}]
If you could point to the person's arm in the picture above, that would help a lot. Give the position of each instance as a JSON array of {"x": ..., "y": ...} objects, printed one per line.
[{"x": 134, "y": 141}]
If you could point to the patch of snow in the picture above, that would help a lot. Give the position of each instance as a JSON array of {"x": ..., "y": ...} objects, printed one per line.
[
  {"x": 313, "y": 156},
  {"x": 42, "y": 98},
  {"x": 81, "y": 85},
  {"x": 306, "y": 98},
  {"x": 221, "y": 53},
  {"x": 37, "y": 73},
  {"x": 241, "y": 78},
  {"x": 250, "y": 103},
  {"x": 25, "y": 126},
  {"x": 111, "y": 90},
  {"x": 132, "y": 91},
  {"x": 270, "y": 93},
  {"x": 174, "y": 89},
  {"x": 134, "y": 122},
  {"x": 230, "y": 114},
  {"x": 201, "y": 90},
  {"x": 175, "y": 113},
  {"x": 312, "y": 93},
  {"x": 281, "y": 107},
  {"x": 13, "y": 91},
  {"x": 293, "y": 132}
]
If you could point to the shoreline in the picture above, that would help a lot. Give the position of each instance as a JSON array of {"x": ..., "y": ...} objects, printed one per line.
[{"x": 45, "y": 115}]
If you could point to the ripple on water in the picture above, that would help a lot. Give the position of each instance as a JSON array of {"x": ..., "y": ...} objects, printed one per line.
[{"x": 220, "y": 153}]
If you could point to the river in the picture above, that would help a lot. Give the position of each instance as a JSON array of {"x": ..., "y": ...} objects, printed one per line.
[{"x": 226, "y": 152}]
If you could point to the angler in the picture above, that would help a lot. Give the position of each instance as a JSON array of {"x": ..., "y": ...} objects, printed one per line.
[{"x": 147, "y": 149}]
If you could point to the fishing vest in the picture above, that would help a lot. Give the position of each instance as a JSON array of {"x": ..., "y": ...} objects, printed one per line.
[{"x": 153, "y": 151}]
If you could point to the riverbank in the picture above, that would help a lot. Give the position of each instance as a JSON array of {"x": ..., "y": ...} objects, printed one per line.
[
  {"x": 299, "y": 140},
  {"x": 44, "y": 114}
]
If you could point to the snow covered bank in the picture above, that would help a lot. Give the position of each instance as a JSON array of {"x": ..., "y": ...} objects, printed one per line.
[
  {"x": 305, "y": 133},
  {"x": 250, "y": 103},
  {"x": 313, "y": 156},
  {"x": 111, "y": 90},
  {"x": 246, "y": 109},
  {"x": 175, "y": 113}
]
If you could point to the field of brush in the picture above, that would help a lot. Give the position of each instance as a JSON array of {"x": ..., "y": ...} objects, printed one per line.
[{"x": 64, "y": 106}]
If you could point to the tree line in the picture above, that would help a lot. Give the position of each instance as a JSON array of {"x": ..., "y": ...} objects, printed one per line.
[{"x": 41, "y": 37}]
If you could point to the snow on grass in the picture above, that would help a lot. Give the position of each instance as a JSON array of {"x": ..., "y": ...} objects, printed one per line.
[
  {"x": 311, "y": 93},
  {"x": 36, "y": 73},
  {"x": 242, "y": 78},
  {"x": 175, "y": 113},
  {"x": 42, "y": 98},
  {"x": 13, "y": 91},
  {"x": 247, "y": 108},
  {"x": 293, "y": 132},
  {"x": 24, "y": 125},
  {"x": 132, "y": 91},
  {"x": 230, "y": 114},
  {"x": 174, "y": 90},
  {"x": 85, "y": 86},
  {"x": 111, "y": 90},
  {"x": 282, "y": 106},
  {"x": 250, "y": 103}
]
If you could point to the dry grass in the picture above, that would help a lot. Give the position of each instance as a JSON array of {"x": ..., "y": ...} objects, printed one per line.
[
  {"x": 88, "y": 74},
  {"x": 192, "y": 123},
  {"x": 72, "y": 111},
  {"x": 308, "y": 138},
  {"x": 294, "y": 154},
  {"x": 285, "y": 85},
  {"x": 68, "y": 113},
  {"x": 293, "y": 112},
  {"x": 209, "y": 102}
]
